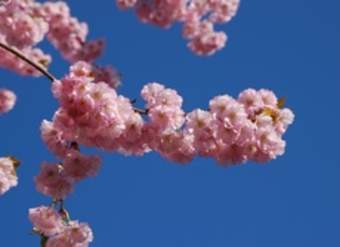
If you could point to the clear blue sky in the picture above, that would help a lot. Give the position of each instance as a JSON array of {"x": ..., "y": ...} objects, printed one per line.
[{"x": 291, "y": 47}]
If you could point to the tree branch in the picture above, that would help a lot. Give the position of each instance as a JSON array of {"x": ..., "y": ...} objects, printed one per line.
[{"x": 20, "y": 55}]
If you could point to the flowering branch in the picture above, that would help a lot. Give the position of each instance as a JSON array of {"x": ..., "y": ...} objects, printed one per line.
[
  {"x": 36, "y": 65},
  {"x": 232, "y": 131},
  {"x": 44, "y": 71}
]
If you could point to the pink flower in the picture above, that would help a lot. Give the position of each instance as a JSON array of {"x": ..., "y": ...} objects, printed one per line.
[
  {"x": 198, "y": 17},
  {"x": 24, "y": 24},
  {"x": 67, "y": 34},
  {"x": 269, "y": 145},
  {"x": 231, "y": 155},
  {"x": 53, "y": 138},
  {"x": 46, "y": 221},
  {"x": 230, "y": 112},
  {"x": 78, "y": 166},
  {"x": 74, "y": 235},
  {"x": 7, "y": 100},
  {"x": 8, "y": 177},
  {"x": 202, "y": 125},
  {"x": 52, "y": 182},
  {"x": 156, "y": 94},
  {"x": 124, "y": 4},
  {"x": 251, "y": 100},
  {"x": 97, "y": 74},
  {"x": 175, "y": 146},
  {"x": 285, "y": 118},
  {"x": 268, "y": 97}
]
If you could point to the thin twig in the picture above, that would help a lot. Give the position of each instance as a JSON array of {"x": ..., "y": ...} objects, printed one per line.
[
  {"x": 20, "y": 55},
  {"x": 141, "y": 111}
]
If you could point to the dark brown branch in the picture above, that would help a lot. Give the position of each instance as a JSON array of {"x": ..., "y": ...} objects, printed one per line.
[{"x": 141, "y": 111}]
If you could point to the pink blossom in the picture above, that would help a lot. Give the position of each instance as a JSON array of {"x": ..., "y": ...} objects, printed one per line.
[
  {"x": 198, "y": 17},
  {"x": 108, "y": 74},
  {"x": 20, "y": 25},
  {"x": 269, "y": 145},
  {"x": 202, "y": 125},
  {"x": 46, "y": 221},
  {"x": 78, "y": 166},
  {"x": 22, "y": 28},
  {"x": 74, "y": 235},
  {"x": 268, "y": 97},
  {"x": 67, "y": 34},
  {"x": 24, "y": 24},
  {"x": 52, "y": 182},
  {"x": 9, "y": 61},
  {"x": 285, "y": 118},
  {"x": 231, "y": 114},
  {"x": 8, "y": 177},
  {"x": 7, "y": 100},
  {"x": 53, "y": 139},
  {"x": 251, "y": 100}
]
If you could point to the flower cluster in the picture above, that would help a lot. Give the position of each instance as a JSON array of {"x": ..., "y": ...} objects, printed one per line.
[
  {"x": 231, "y": 131},
  {"x": 22, "y": 28},
  {"x": 57, "y": 180},
  {"x": 198, "y": 18},
  {"x": 24, "y": 24},
  {"x": 7, "y": 100},
  {"x": 8, "y": 177},
  {"x": 56, "y": 230},
  {"x": 67, "y": 34}
]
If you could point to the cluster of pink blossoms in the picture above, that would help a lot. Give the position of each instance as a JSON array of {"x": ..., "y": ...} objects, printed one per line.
[
  {"x": 21, "y": 28},
  {"x": 231, "y": 131},
  {"x": 57, "y": 230},
  {"x": 198, "y": 18},
  {"x": 57, "y": 180},
  {"x": 7, "y": 100},
  {"x": 24, "y": 24},
  {"x": 8, "y": 177},
  {"x": 67, "y": 34}
]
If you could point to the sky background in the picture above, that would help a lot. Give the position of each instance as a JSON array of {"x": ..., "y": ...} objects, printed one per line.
[{"x": 291, "y": 47}]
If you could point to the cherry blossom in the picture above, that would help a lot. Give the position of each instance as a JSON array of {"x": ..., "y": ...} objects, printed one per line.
[
  {"x": 8, "y": 177},
  {"x": 52, "y": 182},
  {"x": 232, "y": 130},
  {"x": 24, "y": 24},
  {"x": 198, "y": 17},
  {"x": 57, "y": 230},
  {"x": 7, "y": 100},
  {"x": 46, "y": 220},
  {"x": 75, "y": 234}
]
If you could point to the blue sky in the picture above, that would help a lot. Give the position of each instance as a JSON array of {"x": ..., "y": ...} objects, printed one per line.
[{"x": 291, "y": 47}]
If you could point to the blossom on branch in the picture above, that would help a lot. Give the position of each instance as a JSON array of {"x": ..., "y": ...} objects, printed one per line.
[
  {"x": 24, "y": 24},
  {"x": 232, "y": 131},
  {"x": 58, "y": 231}
]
